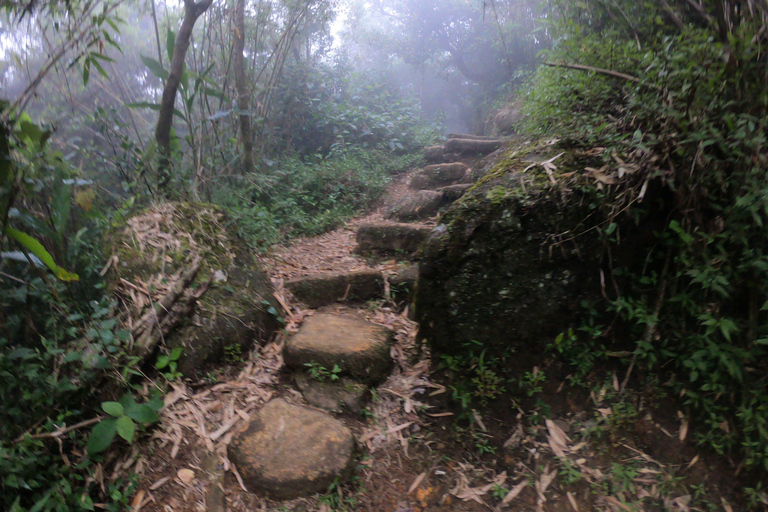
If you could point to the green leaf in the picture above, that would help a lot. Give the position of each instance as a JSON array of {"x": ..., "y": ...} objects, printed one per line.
[
  {"x": 170, "y": 43},
  {"x": 38, "y": 250},
  {"x": 101, "y": 436},
  {"x": 113, "y": 408},
  {"x": 156, "y": 403},
  {"x": 127, "y": 401},
  {"x": 142, "y": 413},
  {"x": 176, "y": 353},
  {"x": 155, "y": 67},
  {"x": 144, "y": 104},
  {"x": 126, "y": 428},
  {"x": 162, "y": 362}
]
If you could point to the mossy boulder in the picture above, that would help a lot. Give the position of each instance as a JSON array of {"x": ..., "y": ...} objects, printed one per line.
[
  {"x": 495, "y": 270},
  {"x": 153, "y": 246}
]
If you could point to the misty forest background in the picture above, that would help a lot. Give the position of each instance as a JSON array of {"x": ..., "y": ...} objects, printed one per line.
[{"x": 293, "y": 115}]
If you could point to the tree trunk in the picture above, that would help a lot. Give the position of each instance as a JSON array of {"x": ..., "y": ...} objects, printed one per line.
[
  {"x": 242, "y": 89},
  {"x": 192, "y": 11}
]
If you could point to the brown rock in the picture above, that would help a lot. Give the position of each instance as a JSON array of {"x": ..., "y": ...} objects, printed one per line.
[
  {"x": 433, "y": 154},
  {"x": 359, "y": 348},
  {"x": 343, "y": 395},
  {"x": 468, "y": 136},
  {"x": 454, "y": 192},
  {"x": 290, "y": 451},
  {"x": 403, "y": 283},
  {"x": 419, "y": 205},
  {"x": 440, "y": 175},
  {"x": 324, "y": 289},
  {"x": 472, "y": 147},
  {"x": 391, "y": 237}
]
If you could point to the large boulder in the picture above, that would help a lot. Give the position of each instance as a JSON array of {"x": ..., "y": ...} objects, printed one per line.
[
  {"x": 154, "y": 249},
  {"x": 492, "y": 272},
  {"x": 289, "y": 451}
]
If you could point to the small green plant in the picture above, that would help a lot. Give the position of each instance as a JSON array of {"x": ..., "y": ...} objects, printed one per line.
[
  {"x": 125, "y": 417},
  {"x": 499, "y": 492},
  {"x": 320, "y": 373},
  {"x": 233, "y": 354},
  {"x": 483, "y": 445},
  {"x": 531, "y": 382},
  {"x": 569, "y": 471},
  {"x": 336, "y": 499},
  {"x": 171, "y": 363}
]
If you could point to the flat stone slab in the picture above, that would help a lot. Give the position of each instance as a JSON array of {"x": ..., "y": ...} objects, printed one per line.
[
  {"x": 289, "y": 451},
  {"x": 359, "y": 348},
  {"x": 325, "y": 289},
  {"x": 391, "y": 237},
  {"x": 419, "y": 205},
  {"x": 472, "y": 146},
  {"x": 343, "y": 395},
  {"x": 440, "y": 175}
]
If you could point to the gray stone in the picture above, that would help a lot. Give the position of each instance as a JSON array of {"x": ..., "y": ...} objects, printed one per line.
[
  {"x": 343, "y": 395},
  {"x": 440, "y": 175},
  {"x": 472, "y": 146},
  {"x": 391, "y": 237},
  {"x": 419, "y": 205},
  {"x": 486, "y": 273},
  {"x": 433, "y": 154},
  {"x": 468, "y": 136},
  {"x": 289, "y": 451},
  {"x": 324, "y": 289},
  {"x": 359, "y": 348},
  {"x": 454, "y": 192}
]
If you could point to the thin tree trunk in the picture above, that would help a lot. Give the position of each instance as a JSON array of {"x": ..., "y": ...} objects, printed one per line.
[
  {"x": 192, "y": 11},
  {"x": 240, "y": 84}
]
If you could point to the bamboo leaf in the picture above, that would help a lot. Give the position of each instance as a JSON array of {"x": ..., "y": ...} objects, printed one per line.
[{"x": 38, "y": 250}]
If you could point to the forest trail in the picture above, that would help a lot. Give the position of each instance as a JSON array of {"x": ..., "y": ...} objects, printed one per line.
[{"x": 350, "y": 368}]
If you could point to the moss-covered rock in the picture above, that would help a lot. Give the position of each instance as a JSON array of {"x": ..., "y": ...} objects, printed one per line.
[
  {"x": 493, "y": 271},
  {"x": 155, "y": 244}
]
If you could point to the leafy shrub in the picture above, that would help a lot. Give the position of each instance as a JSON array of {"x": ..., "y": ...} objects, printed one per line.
[
  {"x": 306, "y": 197},
  {"x": 685, "y": 146}
]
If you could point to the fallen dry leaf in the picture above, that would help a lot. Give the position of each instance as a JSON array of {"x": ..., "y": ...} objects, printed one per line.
[
  {"x": 186, "y": 475},
  {"x": 416, "y": 482}
]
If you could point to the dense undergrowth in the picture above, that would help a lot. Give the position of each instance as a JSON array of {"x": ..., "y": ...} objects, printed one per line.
[{"x": 683, "y": 157}]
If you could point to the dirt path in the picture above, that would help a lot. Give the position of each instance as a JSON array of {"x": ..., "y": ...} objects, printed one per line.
[{"x": 537, "y": 447}]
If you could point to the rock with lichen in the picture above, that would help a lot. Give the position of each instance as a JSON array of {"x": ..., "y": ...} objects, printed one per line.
[
  {"x": 493, "y": 271},
  {"x": 155, "y": 246}
]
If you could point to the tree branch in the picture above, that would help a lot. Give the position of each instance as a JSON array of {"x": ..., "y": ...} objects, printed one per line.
[{"x": 601, "y": 71}]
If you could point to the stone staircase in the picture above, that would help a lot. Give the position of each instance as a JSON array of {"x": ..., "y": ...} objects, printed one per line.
[{"x": 336, "y": 357}]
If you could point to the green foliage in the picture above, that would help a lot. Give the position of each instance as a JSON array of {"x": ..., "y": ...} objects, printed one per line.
[
  {"x": 171, "y": 362},
  {"x": 125, "y": 416},
  {"x": 474, "y": 376},
  {"x": 685, "y": 146},
  {"x": 294, "y": 197},
  {"x": 320, "y": 373}
]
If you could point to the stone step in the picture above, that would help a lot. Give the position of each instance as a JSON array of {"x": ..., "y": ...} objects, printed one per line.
[
  {"x": 469, "y": 136},
  {"x": 323, "y": 289},
  {"x": 440, "y": 175},
  {"x": 472, "y": 146},
  {"x": 289, "y": 451},
  {"x": 359, "y": 348},
  {"x": 342, "y": 395},
  {"x": 454, "y": 192},
  {"x": 417, "y": 206},
  {"x": 390, "y": 237},
  {"x": 433, "y": 154}
]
